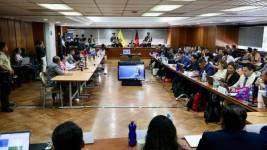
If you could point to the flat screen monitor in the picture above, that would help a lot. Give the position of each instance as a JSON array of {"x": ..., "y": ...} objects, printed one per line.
[
  {"x": 126, "y": 51},
  {"x": 15, "y": 140},
  {"x": 131, "y": 72}
]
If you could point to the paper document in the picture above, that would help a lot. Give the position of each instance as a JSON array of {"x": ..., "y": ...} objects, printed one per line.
[
  {"x": 88, "y": 137},
  {"x": 193, "y": 140}
]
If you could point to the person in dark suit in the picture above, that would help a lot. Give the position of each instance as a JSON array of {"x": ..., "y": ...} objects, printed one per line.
[
  {"x": 231, "y": 76},
  {"x": 205, "y": 66},
  {"x": 263, "y": 133},
  {"x": 232, "y": 136}
]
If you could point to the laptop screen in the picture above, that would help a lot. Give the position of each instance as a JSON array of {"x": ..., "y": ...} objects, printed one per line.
[{"x": 16, "y": 141}]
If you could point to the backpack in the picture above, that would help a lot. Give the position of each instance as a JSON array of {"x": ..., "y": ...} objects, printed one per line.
[
  {"x": 198, "y": 102},
  {"x": 213, "y": 109}
]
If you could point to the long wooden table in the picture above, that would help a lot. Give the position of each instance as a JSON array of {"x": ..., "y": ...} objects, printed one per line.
[
  {"x": 117, "y": 51},
  {"x": 112, "y": 144},
  {"x": 79, "y": 77},
  {"x": 257, "y": 117},
  {"x": 205, "y": 85}
]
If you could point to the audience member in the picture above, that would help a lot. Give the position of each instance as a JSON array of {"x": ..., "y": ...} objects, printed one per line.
[
  {"x": 264, "y": 65},
  {"x": 6, "y": 73},
  {"x": 232, "y": 136},
  {"x": 70, "y": 57},
  {"x": 161, "y": 134},
  {"x": 231, "y": 76},
  {"x": 183, "y": 59},
  {"x": 263, "y": 133},
  {"x": 194, "y": 63},
  {"x": 234, "y": 51},
  {"x": 18, "y": 58},
  {"x": 53, "y": 70},
  {"x": 248, "y": 78},
  {"x": 221, "y": 73},
  {"x": 206, "y": 66},
  {"x": 226, "y": 57},
  {"x": 68, "y": 136},
  {"x": 248, "y": 54},
  {"x": 255, "y": 57}
]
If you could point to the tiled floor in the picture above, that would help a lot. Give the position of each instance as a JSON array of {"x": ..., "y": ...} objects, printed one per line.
[{"x": 109, "y": 109}]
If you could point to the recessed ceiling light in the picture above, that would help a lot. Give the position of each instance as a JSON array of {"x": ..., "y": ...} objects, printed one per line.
[
  {"x": 152, "y": 14},
  {"x": 165, "y": 7},
  {"x": 57, "y": 22},
  {"x": 71, "y": 13},
  {"x": 45, "y": 19},
  {"x": 242, "y": 8},
  {"x": 210, "y": 14},
  {"x": 56, "y": 6}
]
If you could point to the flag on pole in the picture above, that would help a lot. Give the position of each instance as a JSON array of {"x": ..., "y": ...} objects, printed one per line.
[
  {"x": 122, "y": 39},
  {"x": 136, "y": 39}
]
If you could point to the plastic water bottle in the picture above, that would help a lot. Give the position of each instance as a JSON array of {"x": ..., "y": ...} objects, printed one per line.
[
  {"x": 132, "y": 134},
  {"x": 169, "y": 115},
  {"x": 204, "y": 76},
  {"x": 177, "y": 67}
]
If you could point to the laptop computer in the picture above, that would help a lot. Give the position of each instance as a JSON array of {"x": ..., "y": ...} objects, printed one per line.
[
  {"x": 15, "y": 140},
  {"x": 25, "y": 61}
]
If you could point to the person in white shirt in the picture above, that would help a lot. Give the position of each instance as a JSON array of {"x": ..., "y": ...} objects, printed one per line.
[
  {"x": 248, "y": 78},
  {"x": 222, "y": 70},
  {"x": 228, "y": 58}
]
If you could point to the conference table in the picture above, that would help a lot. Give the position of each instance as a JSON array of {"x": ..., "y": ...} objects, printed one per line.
[
  {"x": 115, "y": 52},
  {"x": 78, "y": 76},
  {"x": 113, "y": 144},
  {"x": 196, "y": 80},
  {"x": 257, "y": 117}
]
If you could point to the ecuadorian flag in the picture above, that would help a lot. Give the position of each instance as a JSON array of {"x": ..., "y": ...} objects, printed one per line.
[{"x": 122, "y": 39}]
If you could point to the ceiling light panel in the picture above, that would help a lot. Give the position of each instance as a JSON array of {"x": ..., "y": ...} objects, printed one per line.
[
  {"x": 56, "y": 6},
  {"x": 165, "y": 7}
]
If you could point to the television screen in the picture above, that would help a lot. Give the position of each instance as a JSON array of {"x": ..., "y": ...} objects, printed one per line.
[
  {"x": 126, "y": 51},
  {"x": 131, "y": 72}
]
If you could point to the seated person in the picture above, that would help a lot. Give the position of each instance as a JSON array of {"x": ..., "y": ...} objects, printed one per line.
[
  {"x": 206, "y": 67},
  {"x": 70, "y": 57},
  {"x": 65, "y": 65},
  {"x": 232, "y": 136},
  {"x": 262, "y": 81},
  {"x": 219, "y": 56},
  {"x": 183, "y": 59},
  {"x": 18, "y": 58},
  {"x": 53, "y": 70},
  {"x": 194, "y": 66},
  {"x": 228, "y": 58},
  {"x": 248, "y": 78},
  {"x": 221, "y": 73},
  {"x": 263, "y": 133},
  {"x": 68, "y": 136},
  {"x": 161, "y": 134},
  {"x": 248, "y": 54},
  {"x": 231, "y": 76},
  {"x": 264, "y": 65},
  {"x": 234, "y": 51},
  {"x": 255, "y": 57}
]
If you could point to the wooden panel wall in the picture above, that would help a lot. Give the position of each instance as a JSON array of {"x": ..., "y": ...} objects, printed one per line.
[
  {"x": 17, "y": 34},
  {"x": 227, "y": 35},
  {"x": 209, "y": 36},
  {"x": 38, "y": 31}
]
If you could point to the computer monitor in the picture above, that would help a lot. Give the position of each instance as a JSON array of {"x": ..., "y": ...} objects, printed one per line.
[
  {"x": 15, "y": 141},
  {"x": 131, "y": 71},
  {"x": 126, "y": 51}
]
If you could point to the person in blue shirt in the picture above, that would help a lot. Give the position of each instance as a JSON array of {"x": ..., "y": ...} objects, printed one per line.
[
  {"x": 183, "y": 59},
  {"x": 207, "y": 67}
]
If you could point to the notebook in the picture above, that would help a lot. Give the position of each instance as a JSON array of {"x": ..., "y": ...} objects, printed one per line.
[{"x": 193, "y": 140}]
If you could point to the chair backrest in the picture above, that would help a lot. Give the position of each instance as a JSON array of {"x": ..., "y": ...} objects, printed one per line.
[
  {"x": 43, "y": 78},
  {"x": 124, "y": 58},
  {"x": 136, "y": 58}
]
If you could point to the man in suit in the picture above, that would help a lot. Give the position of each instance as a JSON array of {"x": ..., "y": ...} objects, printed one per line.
[
  {"x": 248, "y": 78},
  {"x": 232, "y": 136},
  {"x": 148, "y": 39},
  {"x": 6, "y": 73}
]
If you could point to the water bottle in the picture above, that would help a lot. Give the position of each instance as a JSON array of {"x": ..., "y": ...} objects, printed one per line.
[
  {"x": 204, "y": 76},
  {"x": 177, "y": 67},
  {"x": 169, "y": 115},
  {"x": 132, "y": 134}
]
